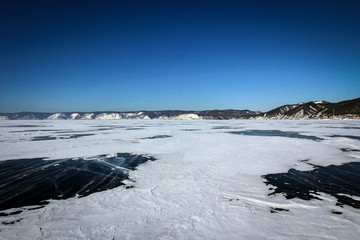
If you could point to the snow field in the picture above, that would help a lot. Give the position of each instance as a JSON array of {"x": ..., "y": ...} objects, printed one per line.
[{"x": 205, "y": 184}]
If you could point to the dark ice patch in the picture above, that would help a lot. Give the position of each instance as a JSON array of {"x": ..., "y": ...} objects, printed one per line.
[
  {"x": 23, "y": 126},
  {"x": 336, "y": 212},
  {"x": 33, "y": 130},
  {"x": 231, "y": 199},
  {"x": 44, "y": 138},
  {"x": 157, "y": 136},
  {"x": 346, "y": 136},
  {"x": 349, "y": 150},
  {"x": 26, "y": 182},
  {"x": 70, "y": 131},
  {"x": 304, "y": 160},
  {"x": 275, "y": 133},
  {"x": 334, "y": 180},
  {"x": 276, "y": 210},
  {"x": 34, "y": 208},
  {"x": 77, "y": 135},
  {"x": 108, "y": 127},
  {"x": 307, "y": 162},
  {"x": 221, "y": 127},
  {"x": 134, "y": 128},
  {"x": 342, "y": 127},
  {"x": 226, "y": 127},
  {"x": 11, "y": 222},
  {"x": 3, "y": 214},
  {"x": 104, "y": 129},
  {"x": 191, "y": 130}
]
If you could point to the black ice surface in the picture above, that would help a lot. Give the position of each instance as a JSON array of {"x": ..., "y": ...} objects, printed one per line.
[
  {"x": 157, "y": 136},
  {"x": 275, "y": 133},
  {"x": 44, "y": 138},
  {"x": 333, "y": 180},
  {"x": 26, "y": 182},
  {"x": 346, "y": 136}
]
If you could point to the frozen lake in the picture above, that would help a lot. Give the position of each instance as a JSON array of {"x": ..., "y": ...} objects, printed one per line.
[{"x": 179, "y": 179}]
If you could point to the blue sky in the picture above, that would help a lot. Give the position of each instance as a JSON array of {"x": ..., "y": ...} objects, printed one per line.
[{"x": 186, "y": 55}]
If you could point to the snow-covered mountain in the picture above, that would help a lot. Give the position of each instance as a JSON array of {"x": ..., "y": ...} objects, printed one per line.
[
  {"x": 309, "y": 110},
  {"x": 315, "y": 110}
]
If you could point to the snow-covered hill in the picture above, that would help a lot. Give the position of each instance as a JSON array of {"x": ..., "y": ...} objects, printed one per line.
[
  {"x": 141, "y": 115},
  {"x": 349, "y": 109},
  {"x": 315, "y": 110}
]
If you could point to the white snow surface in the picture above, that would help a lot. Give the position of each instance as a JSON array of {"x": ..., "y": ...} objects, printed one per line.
[
  {"x": 188, "y": 116},
  {"x": 191, "y": 191}
]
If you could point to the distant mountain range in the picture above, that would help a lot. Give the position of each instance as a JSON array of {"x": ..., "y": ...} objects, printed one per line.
[
  {"x": 145, "y": 115},
  {"x": 349, "y": 109}
]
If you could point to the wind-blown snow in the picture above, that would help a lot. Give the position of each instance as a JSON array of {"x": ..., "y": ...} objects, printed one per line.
[{"x": 205, "y": 184}]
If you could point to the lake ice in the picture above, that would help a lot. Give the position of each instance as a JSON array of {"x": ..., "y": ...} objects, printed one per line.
[{"x": 205, "y": 180}]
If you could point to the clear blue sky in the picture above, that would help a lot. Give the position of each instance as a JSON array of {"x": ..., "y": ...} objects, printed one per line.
[{"x": 191, "y": 55}]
